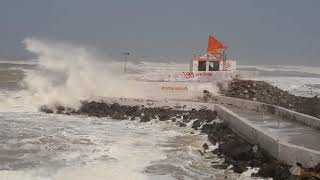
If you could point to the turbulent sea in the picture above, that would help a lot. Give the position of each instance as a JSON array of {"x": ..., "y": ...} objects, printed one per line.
[{"x": 37, "y": 146}]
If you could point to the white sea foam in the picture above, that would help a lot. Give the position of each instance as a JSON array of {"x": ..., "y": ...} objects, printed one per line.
[
  {"x": 302, "y": 69},
  {"x": 296, "y": 85}
]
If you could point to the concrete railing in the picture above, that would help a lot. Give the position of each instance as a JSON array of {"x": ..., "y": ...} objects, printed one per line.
[
  {"x": 263, "y": 107},
  {"x": 281, "y": 150}
]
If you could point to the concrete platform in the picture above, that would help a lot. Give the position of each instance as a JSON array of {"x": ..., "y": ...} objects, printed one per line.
[{"x": 283, "y": 129}]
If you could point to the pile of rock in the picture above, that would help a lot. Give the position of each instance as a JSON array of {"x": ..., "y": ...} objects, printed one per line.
[
  {"x": 240, "y": 154},
  {"x": 145, "y": 114},
  {"x": 264, "y": 92}
]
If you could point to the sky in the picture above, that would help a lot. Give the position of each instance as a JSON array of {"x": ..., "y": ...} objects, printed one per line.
[{"x": 256, "y": 31}]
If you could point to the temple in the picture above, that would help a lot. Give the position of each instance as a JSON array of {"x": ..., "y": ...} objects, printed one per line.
[{"x": 215, "y": 59}]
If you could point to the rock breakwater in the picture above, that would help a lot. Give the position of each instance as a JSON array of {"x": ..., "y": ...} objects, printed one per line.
[{"x": 266, "y": 93}]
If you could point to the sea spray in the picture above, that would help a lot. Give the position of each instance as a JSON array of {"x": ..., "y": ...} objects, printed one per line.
[{"x": 66, "y": 74}]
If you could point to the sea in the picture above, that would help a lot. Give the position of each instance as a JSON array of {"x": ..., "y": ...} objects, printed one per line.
[{"x": 38, "y": 146}]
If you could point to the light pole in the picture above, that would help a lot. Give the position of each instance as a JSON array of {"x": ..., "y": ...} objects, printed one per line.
[{"x": 125, "y": 60}]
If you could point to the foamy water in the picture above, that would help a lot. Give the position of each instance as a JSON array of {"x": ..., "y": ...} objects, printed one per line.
[{"x": 40, "y": 146}]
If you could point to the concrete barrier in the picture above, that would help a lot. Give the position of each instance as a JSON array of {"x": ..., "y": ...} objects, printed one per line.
[
  {"x": 295, "y": 116},
  {"x": 281, "y": 150},
  {"x": 248, "y": 130},
  {"x": 276, "y": 110},
  {"x": 291, "y": 154}
]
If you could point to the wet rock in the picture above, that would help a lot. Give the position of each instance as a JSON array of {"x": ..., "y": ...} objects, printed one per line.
[
  {"x": 273, "y": 170},
  {"x": 239, "y": 167},
  {"x": 242, "y": 152},
  {"x": 173, "y": 119},
  {"x": 196, "y": 124},
  {"x": 221, "y": 166},
  {"x": 215, "y": 151},
  {"x": 145, "y": 119},
  {"x": 119, "y": 116},
  {"x": 163, "y": 116},
  {"x": 229, "y": 160},
  {"x": 60, "y": 109},
  {"x": 208, "y": 128},
  {"x": 181, "y": 124},
  {"x": 45, "y": 109},
  {"x": 205, "y": 146}
]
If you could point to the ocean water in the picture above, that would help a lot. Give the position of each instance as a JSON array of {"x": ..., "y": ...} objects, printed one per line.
[{"x": 38, "y": 146}]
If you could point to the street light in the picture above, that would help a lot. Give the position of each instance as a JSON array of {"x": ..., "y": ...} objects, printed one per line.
[{"x": 125, "y": 60}]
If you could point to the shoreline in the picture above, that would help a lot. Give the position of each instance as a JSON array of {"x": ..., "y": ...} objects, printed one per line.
[{"x": 235, "y": 150}]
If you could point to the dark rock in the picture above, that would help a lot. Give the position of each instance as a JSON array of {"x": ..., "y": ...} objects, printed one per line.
[
  {"x": 163, "y": 116},
  {"x": 45, "y": 109},
  {"x": 220, "y": 166},
  {"x": 239, "y": 167},
  {"x": 208, "y": 128},
  {"x": 273, "y": 170},
  {"x": 119, "y": 116},
  {"x": 60, "y": 109},
  {"x": 242, "y": 152},
  {"x": 196, "y": 124},
  {"x": 181, "y": 124},
  {"x": 229, "y": 160},
  {"x": 173, "y": 119},
  {"x": 205, "y": 146},
  {"x": 266, "y": 171},
  {"x": 145, "y": 119},
  {"x": 215, "y": 151},
  {"x": 186, "y": 117}
]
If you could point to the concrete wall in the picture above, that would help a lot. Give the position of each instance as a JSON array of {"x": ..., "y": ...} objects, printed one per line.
[
  {"x": 292, "y": 153},
  {"x": 281, "y": 150},
  {"x": 276, "y": 110},
  {"x": 292, "y": 115},
  {"x": 248, "y": 130}
]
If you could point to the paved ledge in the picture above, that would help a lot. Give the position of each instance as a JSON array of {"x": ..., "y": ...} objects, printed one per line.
[
  {"x": 276, "y": 146},
  {"x": 263, "y": 107}
]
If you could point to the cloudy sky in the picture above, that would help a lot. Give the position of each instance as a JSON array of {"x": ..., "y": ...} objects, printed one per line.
[{"x": 257, "y": 32}]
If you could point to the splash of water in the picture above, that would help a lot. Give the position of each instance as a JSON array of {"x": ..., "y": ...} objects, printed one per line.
[{"x": 66, "y": 74}]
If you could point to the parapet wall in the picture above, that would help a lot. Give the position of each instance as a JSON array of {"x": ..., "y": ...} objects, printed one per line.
[
  {"x": 248, "y": 130},
  {"x": 281, "y": 150},
  {"x": 276, "y": 110}
]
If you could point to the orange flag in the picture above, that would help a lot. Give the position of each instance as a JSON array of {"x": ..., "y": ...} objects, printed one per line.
[{"x": 214, "y": 45}]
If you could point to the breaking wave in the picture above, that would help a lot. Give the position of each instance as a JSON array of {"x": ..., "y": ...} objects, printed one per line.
[{"x": 66, "y": 73}]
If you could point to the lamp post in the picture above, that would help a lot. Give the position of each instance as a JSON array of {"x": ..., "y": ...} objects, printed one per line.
[{"x": 125, "y": 60}]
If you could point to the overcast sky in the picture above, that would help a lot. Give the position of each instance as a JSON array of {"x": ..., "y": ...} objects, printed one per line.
[{"x": 256, "y": 31}]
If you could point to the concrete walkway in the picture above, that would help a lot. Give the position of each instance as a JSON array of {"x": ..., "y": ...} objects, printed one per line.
[{"x": 287, "y": 130}]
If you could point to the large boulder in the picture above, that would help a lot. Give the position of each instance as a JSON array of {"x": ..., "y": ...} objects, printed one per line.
[{"x": 196, "y": 124}]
